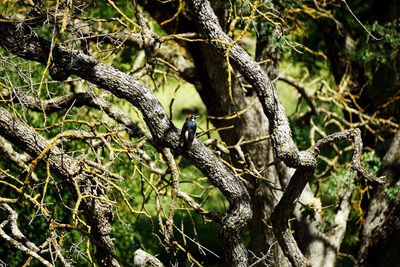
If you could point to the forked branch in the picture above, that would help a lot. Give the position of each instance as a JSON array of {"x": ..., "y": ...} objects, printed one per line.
[
  {"x": 299, "y": 180},
  {"x": 285, "y": 149},
  {"x": 19, "y": 39}
]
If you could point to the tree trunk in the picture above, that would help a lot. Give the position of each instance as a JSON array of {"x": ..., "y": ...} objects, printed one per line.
[
  {"x": 20, "y": 40},
  {"x": 251, "y": 125},
  {"x": 375, "y": 82},
  {"x": 211, "y": 83},
  {"x": 382, "y": 224}
]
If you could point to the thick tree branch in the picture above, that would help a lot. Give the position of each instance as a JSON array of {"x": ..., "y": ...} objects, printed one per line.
[
  {"x": 286, "y": 205},
  {"x": 97, "y": 213},
  {"x": 301, "y": 177},
  {"x": 77, "y": 100},
  {"x": 381, "y": 229},
  {"x": 285, "y": 148},
  {"x": 20, "y": 40},
  {"x": 283, "y": 210},
  {"x": 209, "y": 27}
]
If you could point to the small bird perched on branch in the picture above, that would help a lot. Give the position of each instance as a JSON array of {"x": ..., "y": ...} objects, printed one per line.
[{"x": 188, "y": 132}]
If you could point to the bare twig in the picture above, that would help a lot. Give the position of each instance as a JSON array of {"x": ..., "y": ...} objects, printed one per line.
[
  {"x": 19, "y": 241},
  {"x": 289, "y": 80},
  {"x": 77, "y": 100},
  {"x": 18, "y": 159},
  {"x": 359, "y": 22}
]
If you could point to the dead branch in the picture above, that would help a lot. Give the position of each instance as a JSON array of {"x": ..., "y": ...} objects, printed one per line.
[
  {"x": 96, "y": 211},
  {"x": 285, "y": 148},
  {"x": 19, "y": 39},
  {"x": 20, "y": 160},
  {"x": 18, "y": 240},
  {"x": 302, "y": 91},
  {"x": 74, "y": 100}
]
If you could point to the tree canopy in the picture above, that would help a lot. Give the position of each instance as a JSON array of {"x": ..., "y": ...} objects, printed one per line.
[{"x": 295, "y": 160}]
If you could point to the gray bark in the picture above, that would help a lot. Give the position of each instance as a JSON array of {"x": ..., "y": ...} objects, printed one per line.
[
  {"x": 20, "y": 40},
  {"x": 211, "y": 83},
  {"x": 321, "y": 248},
  {"x": 143, "y": 259},
  {"x": 98, "y": 214},
  {"x": 382, "y": 223},
  {"x": 285, "y": 149},
  {"x": 250, "y": 125}
]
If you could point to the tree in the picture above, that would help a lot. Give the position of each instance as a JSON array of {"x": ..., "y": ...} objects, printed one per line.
[
  {"x": 362, "y": 46},
  {"x": 76, "y": 155},
  {"x": 381, "y": 224}
]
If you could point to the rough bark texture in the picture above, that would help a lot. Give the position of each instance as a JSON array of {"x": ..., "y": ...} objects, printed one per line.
[
  {"x": 98, "y": 214},
  {"x": 321, "y": 249},
  {"x": 209, "y": 27},
  {"x": 382, "y": 224},
  {"x": 285, "y": 149},
  {"x": 250, "y": 125},
  {"x": 282, "y": 211},
  {"x": 312, "y": 242},
  {"x": 211, "y": 83},
  {"x": 20, "y": 40},
  {"x": 143, "y": 259}
]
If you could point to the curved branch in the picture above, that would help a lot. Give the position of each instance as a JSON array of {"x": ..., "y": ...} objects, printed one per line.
[
  {"x": 302, "y": 91},
  {"x": 285, "y": 148},
  {"x": 299, "y": 180},
  {"x": 77, "y": 100},
  {"x": 208, "y": 25},
  {"x": 354, "y": 134},
  {"x": 22, "y": 41},
  {"x": 96, "y": 212},
  {"x": 283, "y": 210},
  {"x": 17, "y": 238}
]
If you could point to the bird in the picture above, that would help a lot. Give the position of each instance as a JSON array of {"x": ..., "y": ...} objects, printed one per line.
[{"x": 188, "y": 132}]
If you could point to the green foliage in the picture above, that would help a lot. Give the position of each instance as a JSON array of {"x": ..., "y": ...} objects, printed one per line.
[
  {"x": 301, "y": 134},
  {"x": 330, "y": 192},
  {"x": 371, "y": 161},
  {"x": 341, "y": 179},
  {"x": 393, "y": 191},
  {"x": 380, "y": 51},
  {"x": 293, "y": 28}
]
